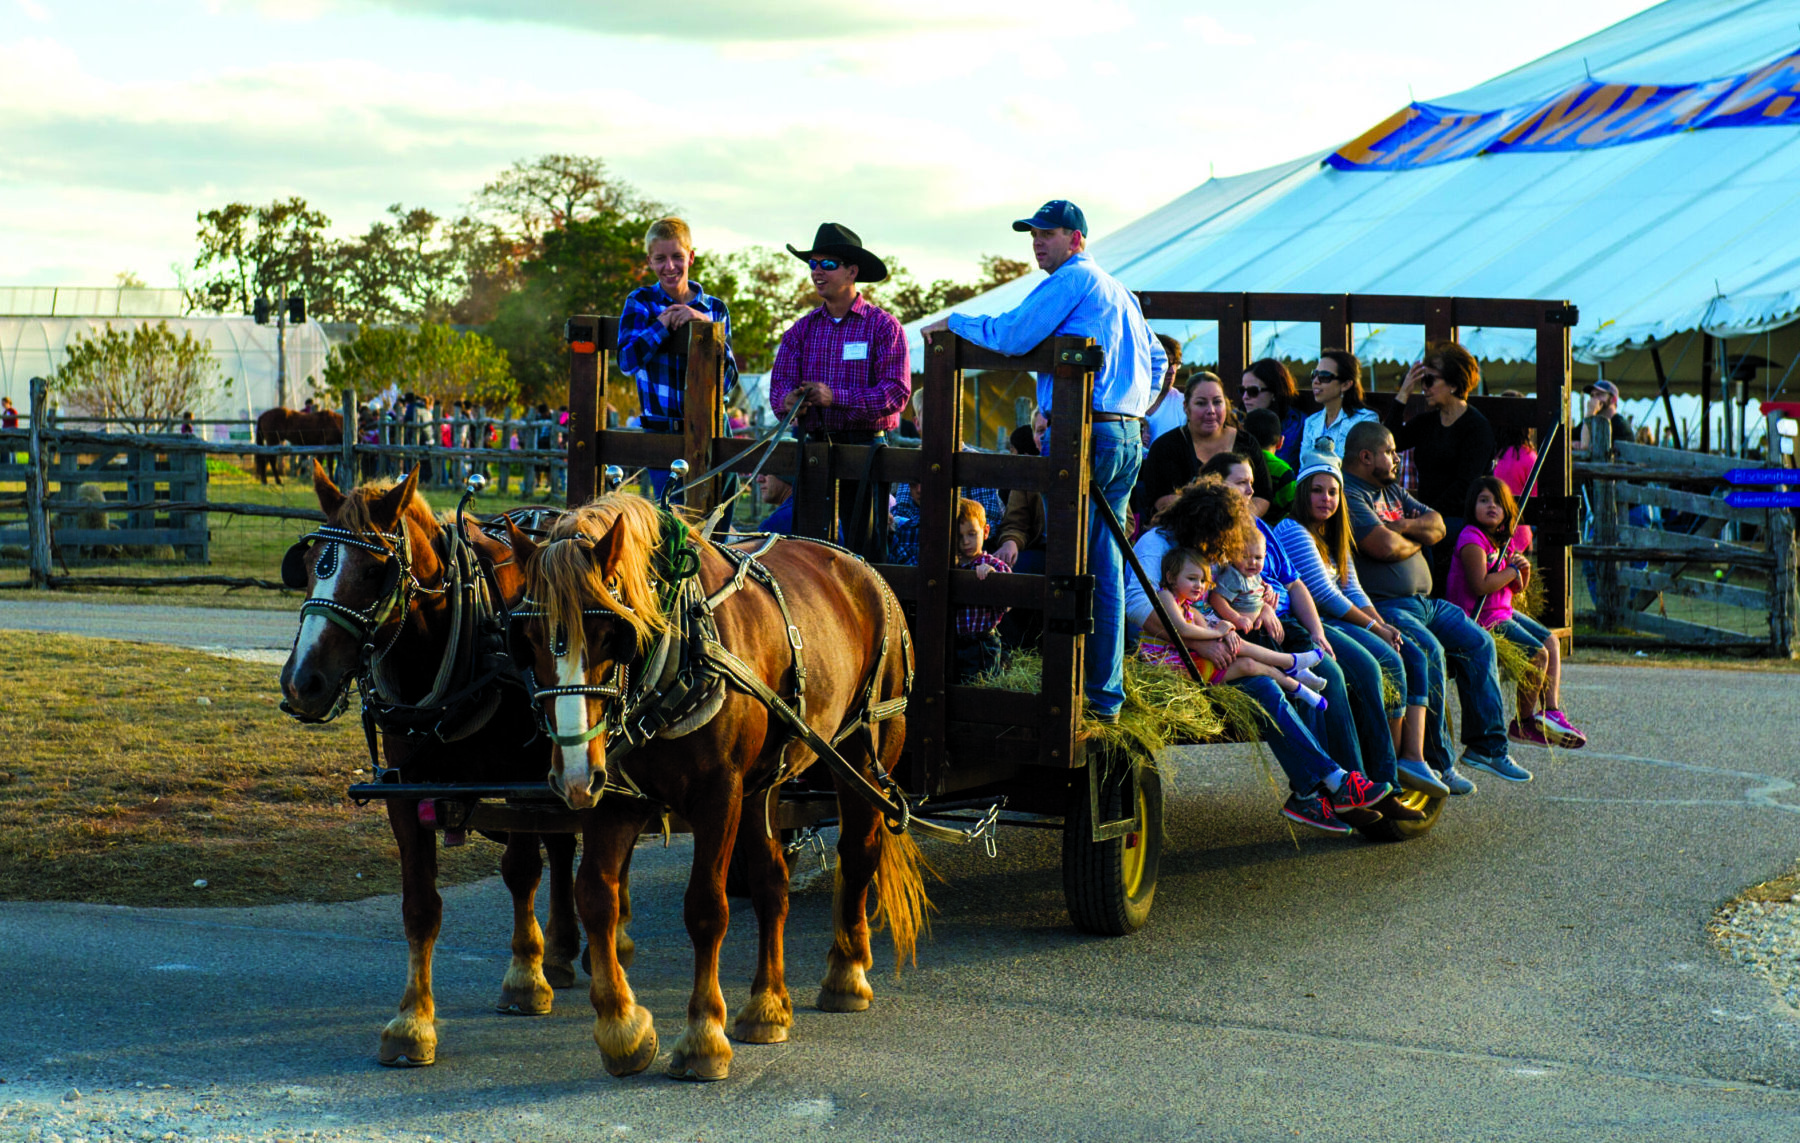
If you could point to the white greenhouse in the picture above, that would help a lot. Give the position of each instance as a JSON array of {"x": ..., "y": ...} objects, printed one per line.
[{"x": 38, "y": 324}]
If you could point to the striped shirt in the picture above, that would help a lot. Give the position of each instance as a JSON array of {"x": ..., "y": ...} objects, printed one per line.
[
  {"x": 862, "y": 359},
  {"x": 645, "y": 353},
  {"x": 1334, "y": 600}
]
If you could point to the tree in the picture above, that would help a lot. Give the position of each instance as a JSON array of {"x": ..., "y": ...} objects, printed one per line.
[
  {"x": 551, "y": 192},
  {"x": 402, "y": 270},
  {"x": 264, "y": 252},
  {"x": 145, "y": 376},
  {"x": 433, "y": 360},
  {"x": 585, "y": 267}
]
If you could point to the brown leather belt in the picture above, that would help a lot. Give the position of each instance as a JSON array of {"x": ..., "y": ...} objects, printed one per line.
[{"x": 1108, "y": 418}]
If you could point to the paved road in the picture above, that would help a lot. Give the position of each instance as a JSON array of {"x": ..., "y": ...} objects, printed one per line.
[
  {"x": 204, "y": 628},
  {"x": 1537, "y": 968}
]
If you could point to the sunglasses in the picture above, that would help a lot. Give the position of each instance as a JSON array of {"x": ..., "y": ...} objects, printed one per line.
[
  {"x": 824, "y": 263},
  {"x": 1321, "y": 375},
  {"x": 1250, "y": 391}
]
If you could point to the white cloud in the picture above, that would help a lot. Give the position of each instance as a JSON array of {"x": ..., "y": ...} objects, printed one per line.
[{"x": 1214, "y": 34}]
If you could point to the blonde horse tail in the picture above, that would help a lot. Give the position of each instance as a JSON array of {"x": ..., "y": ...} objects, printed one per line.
[{"x": 901, "y": 905}]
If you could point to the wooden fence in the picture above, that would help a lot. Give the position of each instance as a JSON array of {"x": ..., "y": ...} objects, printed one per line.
[{"x": 1720, "y": 569}]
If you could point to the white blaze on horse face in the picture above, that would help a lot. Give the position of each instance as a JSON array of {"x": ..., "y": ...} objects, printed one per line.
[
  {"x": 572, "y": 718},
  {"x": 315, "y": 623}
]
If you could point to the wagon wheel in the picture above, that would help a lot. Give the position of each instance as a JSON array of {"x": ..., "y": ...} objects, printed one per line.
[
  {"x": 1385, "y": 830},
  {"x": 1109, "y": 885}
]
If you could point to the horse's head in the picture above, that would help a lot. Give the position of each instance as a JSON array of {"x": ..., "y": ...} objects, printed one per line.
[
  {"x": 358, "y": 571},
  {"x": 593, "y": 612}
]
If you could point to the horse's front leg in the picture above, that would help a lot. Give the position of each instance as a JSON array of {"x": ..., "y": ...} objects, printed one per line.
[
  {"x": 410, "y": 1039},
  {"x": 770, "y": 1011},
  {"x": 524, "y": 992},
  {"x": 562, "y": 937},
  {"x": 702, "y": 1052},
  {"x": 623, "y": 1030}
]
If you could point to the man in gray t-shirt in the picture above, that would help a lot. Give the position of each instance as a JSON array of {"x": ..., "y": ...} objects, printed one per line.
[{"x": 1393, "y": 531}]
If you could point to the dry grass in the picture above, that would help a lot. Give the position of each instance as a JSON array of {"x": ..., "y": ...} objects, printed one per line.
[{"x": 121, "y": 786}]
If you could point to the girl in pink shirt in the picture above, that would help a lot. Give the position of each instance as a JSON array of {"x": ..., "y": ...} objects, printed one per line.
[{"x": 1483, "y": 579}]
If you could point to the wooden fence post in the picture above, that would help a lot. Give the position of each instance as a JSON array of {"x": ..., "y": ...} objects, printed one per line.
[
  {"x": 1609, "y": 603},
  {"x": 1784, "y": 585},
  {"x": 346, "y": 475},
  {"x": 36, "y": 477}
]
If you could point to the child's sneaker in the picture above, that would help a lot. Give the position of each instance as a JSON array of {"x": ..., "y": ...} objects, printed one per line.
[
  {"x": 1358, "y": 792},
  {"x": 1527, "y": 732},
  {"x": 1313, "y": 811},
  {"x": 1559, "y": 730}
]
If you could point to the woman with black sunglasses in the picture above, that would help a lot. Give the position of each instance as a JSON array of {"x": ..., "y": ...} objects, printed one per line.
[
  {"x": 1267, "y": 384},
  {"x": 1337, "y": 387}
]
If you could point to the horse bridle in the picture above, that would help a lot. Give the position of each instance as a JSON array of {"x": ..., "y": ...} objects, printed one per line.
[
  {"x": 612, "y": 691},
  {"x": 394, "y": 598},
  {"x": 396, "y": 588}
]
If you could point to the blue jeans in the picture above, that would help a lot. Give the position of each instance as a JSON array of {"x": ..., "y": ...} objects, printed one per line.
[
  {"x": 1361, "y": 662},
  {"x": 1523, "y": 632},
  {"x": 1336, "y": 727},
  {"x": 1293, "y": 745},
  {"x": 1451, "y": 640},
  {"x": 1117, "y": 453}
]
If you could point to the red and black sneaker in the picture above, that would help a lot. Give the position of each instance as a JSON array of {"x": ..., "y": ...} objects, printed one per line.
[{"x": 1358, "y": 792}]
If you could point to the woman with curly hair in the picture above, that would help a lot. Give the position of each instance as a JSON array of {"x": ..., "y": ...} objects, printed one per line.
[{"x": 1214, "y": 521}]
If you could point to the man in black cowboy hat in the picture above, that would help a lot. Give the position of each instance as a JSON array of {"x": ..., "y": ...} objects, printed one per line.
[{"x": 847, "y": 360}]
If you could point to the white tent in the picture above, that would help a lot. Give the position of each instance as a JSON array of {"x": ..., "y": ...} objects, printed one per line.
[
  {"x": 37, "y": 325},
  {"x": 1677, "y": 230}
]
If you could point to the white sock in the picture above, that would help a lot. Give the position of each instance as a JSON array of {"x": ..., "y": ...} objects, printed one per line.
[
  {"x": 1307, "y": 679},
  {"x": 1335, "y": 782},
  {"x": 1305, "y": 659},
  {"x": 1310, "y": 697}
]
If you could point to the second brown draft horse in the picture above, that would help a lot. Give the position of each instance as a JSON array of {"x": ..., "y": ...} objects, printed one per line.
[{"x": 631, "y": 622}]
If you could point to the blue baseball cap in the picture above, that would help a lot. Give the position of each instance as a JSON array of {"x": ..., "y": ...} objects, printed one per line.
[{"x": 1056, "y": 214}]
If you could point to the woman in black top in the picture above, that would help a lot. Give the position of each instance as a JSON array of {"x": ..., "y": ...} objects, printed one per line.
[
  {"x": 1452, "y": 443},
  {"x": 1175, "y": 458}
]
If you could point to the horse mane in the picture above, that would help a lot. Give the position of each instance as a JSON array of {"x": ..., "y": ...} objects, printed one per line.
[
  {"x": 354, "y": 514},
  {"x": 565, "y": 578}
]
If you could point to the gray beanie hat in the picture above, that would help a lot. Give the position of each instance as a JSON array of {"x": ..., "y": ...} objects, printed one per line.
[{"x": 1323, "y": 458}]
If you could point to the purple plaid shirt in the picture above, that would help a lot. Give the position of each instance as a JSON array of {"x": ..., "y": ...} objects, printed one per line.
[
  {"x": 862, "y": 360},
  {"x": 980, "y": 620}
]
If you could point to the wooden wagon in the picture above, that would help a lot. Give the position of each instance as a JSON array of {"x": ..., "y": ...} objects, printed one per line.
[{"x": 968, "y": 747}]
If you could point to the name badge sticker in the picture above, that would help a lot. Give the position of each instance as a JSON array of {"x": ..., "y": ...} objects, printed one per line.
[{"x": 856, "y": 351}]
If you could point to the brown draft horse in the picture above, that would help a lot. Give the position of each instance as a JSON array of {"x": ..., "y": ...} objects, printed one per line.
[
  {"x": 359, "y": 596},
  {"x": 596, "y": 589},
  {"x": 290, "y": 426}
]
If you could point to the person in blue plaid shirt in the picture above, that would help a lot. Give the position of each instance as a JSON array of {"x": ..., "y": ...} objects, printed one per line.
[{"x": 650, "y": 314}]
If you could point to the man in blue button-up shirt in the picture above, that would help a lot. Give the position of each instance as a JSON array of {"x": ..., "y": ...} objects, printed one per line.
[{"x": 1081, "y": 300}]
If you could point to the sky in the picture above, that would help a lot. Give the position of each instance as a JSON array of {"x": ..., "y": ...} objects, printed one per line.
[{"x": 925, "y": 125}]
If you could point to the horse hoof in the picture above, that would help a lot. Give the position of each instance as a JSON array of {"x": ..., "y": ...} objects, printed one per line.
[
  {"x": 748, "y": 1032},
  {"x": 700, "y": 1069},
  {"x": 560, "y": 975},
  {"x": 408, "y": 1042},
  {"x": 637, "y": 1061},
  {"x": 525, "y": 1001},
  {"x": 830, "y": 1001}
]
